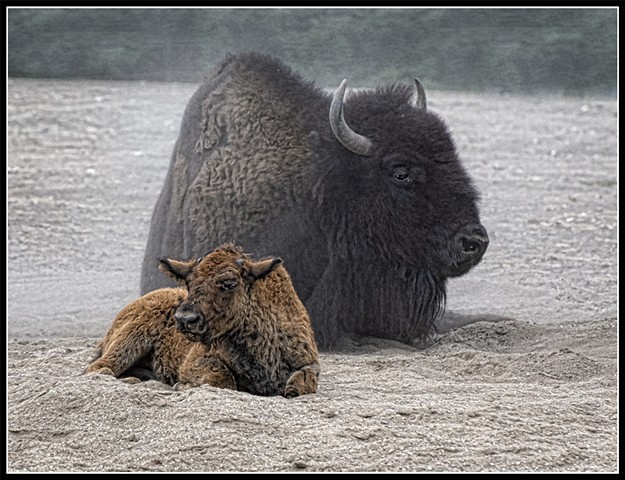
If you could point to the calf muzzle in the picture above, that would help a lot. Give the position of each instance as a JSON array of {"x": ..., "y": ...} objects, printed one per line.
[{"x": 189, "y": 321}]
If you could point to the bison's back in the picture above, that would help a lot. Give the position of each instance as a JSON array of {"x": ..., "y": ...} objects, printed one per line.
[{"x": 239, "y": 162}]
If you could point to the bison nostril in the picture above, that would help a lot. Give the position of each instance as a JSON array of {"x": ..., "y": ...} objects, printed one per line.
[
  {"x": 473, "y": 246},
  {"x": 470, "y": 246},
  {"x": 472, "y": 240}
]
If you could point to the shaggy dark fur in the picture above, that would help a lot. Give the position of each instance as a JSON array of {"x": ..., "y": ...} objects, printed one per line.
[{"x": 370, "y": 238}]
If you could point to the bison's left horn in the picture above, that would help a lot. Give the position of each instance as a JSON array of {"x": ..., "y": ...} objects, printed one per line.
[
  {"x": 418, "y": 98},
  {"x": 350, "y": 139}
]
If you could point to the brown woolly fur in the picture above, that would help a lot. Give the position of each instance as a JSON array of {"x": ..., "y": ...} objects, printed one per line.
[{"x": 237, "y": 324}]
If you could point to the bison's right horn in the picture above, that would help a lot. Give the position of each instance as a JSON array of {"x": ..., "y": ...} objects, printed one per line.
[
  {"x": 418, "y": 100},
  {"x": 350, "y": 139}
]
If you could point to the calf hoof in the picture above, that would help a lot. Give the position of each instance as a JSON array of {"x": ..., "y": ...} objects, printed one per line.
[
  {"x": 181, "y": 386},
  {"x": 291, "y": 392},
  {"x": 296, "y": 390},
  {"x": 302, "y": 382},
  {"x": 131, "y": 380},
  {"x": 101, "y": 371}
]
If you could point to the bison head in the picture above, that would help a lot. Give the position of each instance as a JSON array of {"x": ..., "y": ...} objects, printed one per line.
[
  {"x": 218, "y": 288},
  {"x": 407, "y": 187},
  {"x": 398, "y": 208}
]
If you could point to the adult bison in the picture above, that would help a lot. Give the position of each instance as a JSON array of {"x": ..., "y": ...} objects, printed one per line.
[{"x": 363, "y": 197}]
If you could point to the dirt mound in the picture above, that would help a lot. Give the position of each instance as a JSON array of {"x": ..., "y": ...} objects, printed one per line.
[{"x": 471, "y": 403}]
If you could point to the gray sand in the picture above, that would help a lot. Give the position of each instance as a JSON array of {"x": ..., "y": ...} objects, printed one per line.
[{"x": 86, "y": 161}]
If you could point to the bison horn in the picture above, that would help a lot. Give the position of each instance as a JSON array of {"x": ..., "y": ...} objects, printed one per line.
[
  {"x": 418, "y": 99},
  {"x": 350, "y": 139}
]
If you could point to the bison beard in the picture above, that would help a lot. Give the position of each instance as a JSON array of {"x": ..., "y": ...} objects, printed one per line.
[{"x": 394, "y": 303}]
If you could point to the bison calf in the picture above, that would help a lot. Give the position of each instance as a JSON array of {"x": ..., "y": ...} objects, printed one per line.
[{"x": 237, "y": 324}]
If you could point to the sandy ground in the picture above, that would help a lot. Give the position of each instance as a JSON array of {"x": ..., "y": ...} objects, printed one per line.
[{"x": 86, "y": 161}]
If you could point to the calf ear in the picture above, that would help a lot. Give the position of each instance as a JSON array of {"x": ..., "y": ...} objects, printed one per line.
[
  {"x": 263, "y": 268},
  {"x": 176, "y": 269}
]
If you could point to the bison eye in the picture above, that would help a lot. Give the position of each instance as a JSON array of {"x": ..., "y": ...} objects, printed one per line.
[
  {"x": 227, "y": 284},
  {"x": 401, "y": 175}
]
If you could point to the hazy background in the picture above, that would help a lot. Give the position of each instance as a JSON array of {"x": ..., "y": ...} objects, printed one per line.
[{"x": 568, "y": 51}]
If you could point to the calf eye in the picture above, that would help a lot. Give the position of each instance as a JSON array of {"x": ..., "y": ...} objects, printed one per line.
[{"x": 227, "y": 284}]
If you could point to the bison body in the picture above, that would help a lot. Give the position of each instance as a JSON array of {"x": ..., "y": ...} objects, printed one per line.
[
  {"x": 237, "y": 324},
  {"x": 363, "y": 195}
]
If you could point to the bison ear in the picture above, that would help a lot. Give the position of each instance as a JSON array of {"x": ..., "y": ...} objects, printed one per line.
[
  {"x": 176, "y": 269},
  {"x": 263, "y": 268}
]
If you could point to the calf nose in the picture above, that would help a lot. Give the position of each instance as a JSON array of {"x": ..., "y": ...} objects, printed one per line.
[
  {"x": 186, "y": 317},
  {"x": 472, "y": 241}
]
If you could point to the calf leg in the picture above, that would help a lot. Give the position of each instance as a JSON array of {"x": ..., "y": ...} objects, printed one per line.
[
  {"x": 128, "y": 346},
  {"x": 209, "y": 370},
  {"x": 302, "y": 381}
]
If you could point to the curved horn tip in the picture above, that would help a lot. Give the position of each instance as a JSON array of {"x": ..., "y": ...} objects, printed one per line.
[
  {"x": 419, "y": 99},
  {"x": 354, "y": 142},
  {"x": 340, "y": 91}
]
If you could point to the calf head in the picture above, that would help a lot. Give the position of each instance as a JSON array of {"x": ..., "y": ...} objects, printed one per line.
[{"x": 218, "y": 287}]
